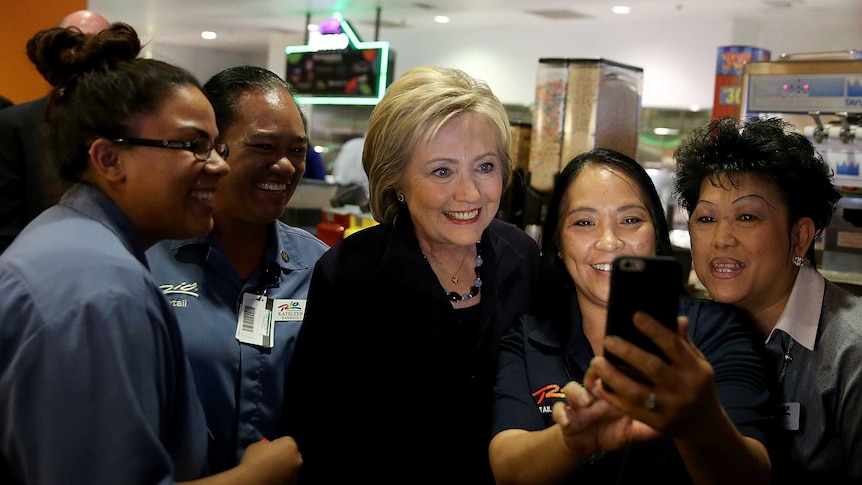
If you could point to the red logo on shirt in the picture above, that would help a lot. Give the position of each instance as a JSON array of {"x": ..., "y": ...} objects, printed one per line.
[{"x": 551, "y": 390}]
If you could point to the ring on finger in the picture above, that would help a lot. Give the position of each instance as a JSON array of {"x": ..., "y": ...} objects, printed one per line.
[{"x": 650, "y": 401}]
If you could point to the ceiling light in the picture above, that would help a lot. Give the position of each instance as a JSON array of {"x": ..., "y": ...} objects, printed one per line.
[
  {"x": 621, "y": 9},
  {"x": 662, "y": 131},
  {"x": 441, "y": 19},
  {"x": 208, "y": 35}
]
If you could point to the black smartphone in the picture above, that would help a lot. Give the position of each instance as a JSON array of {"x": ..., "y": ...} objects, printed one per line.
[{"x": 642, "y": 283}]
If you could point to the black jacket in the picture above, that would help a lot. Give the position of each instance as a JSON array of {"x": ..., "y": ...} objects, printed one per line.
[
  {"x": 381, "y": 381},
  {"x": 26, "y": 189}
]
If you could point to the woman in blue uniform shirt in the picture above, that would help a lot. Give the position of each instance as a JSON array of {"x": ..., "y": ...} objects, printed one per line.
[
  {"x": 95, "y": 386},
  {"x": 694, "y": 416},
  {"x": 224, "y": 286}
]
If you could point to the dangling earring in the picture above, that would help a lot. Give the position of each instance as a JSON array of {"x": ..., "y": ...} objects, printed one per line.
[
  {"x": 798, "y": 261},
  {"x": 401, "y": 198}
]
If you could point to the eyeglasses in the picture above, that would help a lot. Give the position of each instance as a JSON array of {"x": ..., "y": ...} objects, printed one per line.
[{"x": 202, "y": 147}]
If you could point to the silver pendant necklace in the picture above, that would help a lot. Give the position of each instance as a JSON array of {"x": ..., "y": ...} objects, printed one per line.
[
  {"x": 455, "y": 276},
  {"x": 477, "y": 283}
]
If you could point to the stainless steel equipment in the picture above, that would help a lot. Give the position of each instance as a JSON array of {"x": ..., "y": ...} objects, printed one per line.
[
  {"x": 822, "y": 97},
  {"x": 821, "y": 94}
]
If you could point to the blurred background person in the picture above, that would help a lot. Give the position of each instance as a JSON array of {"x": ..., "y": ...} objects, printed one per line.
[
  {"x": 28, "y": 185},
  {"x": 347, "y": 167},
  {"x": 349, "y": 174},
  {"x": 85, "y": 21},
  {"x": 705, "y": 407},
  {"x": 239, "y": 293},
  {"x": 95, "y": 386},
  {"x": 314, "y": 166},
  {"x": 440, "y": 278},
  {"x": 758, "y": 195}
]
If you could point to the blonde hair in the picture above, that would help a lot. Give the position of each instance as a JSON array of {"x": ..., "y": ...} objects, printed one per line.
[{"x": 411, "y": 112}]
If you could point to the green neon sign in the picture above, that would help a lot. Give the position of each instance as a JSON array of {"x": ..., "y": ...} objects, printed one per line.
[{"x": 338, "y": 68}]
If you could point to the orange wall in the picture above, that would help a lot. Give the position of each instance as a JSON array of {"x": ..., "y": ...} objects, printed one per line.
[{"x": 19, "y": 20}]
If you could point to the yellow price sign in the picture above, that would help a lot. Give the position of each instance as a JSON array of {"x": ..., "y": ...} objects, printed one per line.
[{"x": 731, "y": 95}]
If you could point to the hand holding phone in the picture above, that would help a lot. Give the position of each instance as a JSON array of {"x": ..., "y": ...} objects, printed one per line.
[{"x": 650, "y": 284}]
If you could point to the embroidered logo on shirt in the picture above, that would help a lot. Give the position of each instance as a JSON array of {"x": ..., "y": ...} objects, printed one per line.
[
  {"x": 184, "y": 288},
  {"x": 549, "y": 391}
]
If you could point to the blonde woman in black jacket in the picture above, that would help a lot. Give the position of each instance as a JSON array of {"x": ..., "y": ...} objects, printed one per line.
[{"x": 395, "y": 360}]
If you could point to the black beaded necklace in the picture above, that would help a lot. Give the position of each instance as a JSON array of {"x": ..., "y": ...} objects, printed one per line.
[{"x": 477, "y": 284}]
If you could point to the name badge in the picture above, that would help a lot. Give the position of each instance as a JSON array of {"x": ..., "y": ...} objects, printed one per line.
[
  {"x": 789, "y": 415},
  {"x": 254, "y": 322},
  {"x": 289, "y": 310}
]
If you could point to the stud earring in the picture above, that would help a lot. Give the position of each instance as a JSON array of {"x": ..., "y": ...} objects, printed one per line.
[
  {"x": 559, "y": 255},
  {"x": 401, "y": 198},
  {"x": 798, "y": 261}
]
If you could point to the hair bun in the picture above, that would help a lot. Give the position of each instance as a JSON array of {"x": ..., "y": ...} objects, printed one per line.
[{"x": 60, "y": 53}]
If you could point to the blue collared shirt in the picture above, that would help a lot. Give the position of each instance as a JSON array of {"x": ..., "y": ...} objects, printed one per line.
[
  {"x": 241, "y": 385},
  {"x": 94, "y": 383}
]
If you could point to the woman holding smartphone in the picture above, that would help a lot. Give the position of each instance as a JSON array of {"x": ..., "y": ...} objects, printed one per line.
[{"x": 692, "y": 416}]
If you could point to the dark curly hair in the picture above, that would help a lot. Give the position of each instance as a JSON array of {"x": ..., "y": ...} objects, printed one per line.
[
  {"x": 99, "y": 86},
  {"x": 769, "y": 148}
]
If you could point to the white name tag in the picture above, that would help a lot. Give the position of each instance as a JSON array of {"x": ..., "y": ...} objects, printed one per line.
[
  {"x": 789, "y": 414},
  {"x": 288, "y": 310},
  {"x": 254, "y": 323}
]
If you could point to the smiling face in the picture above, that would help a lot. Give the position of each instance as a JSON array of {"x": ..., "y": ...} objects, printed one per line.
[
  {"x": 267, "y": 158},
  {"x": 168, "y": 193},
  {"x": 741, "y": 245},
  {"x": 453, "y": 184},
  {"x": 604, "y": 215}
]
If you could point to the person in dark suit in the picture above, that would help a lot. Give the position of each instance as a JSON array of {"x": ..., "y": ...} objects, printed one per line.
[
  {"x": 5, "y": 102},
  {"x": 21, "y": 191},
  {"x": 27, "y": 187}
]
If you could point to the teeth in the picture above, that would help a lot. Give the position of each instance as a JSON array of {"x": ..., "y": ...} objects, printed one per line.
[
  {"x": 271, "y": 186},
  {"x": 727, "y": 268},
  {"x": 206, "y": 196},
  {"x": 602, "y": 267},
  {"x": 463, "y": 216}
]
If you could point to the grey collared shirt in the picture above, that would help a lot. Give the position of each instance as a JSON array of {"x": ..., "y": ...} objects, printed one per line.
[{"x": 824, "y": 376}]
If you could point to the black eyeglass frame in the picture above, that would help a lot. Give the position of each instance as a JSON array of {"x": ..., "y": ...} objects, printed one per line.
[{"x": 193, "y": 146}]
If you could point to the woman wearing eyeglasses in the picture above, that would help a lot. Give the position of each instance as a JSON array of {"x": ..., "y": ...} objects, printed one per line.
[
  {"x": 250, "y": 276},
  {"x": 95, "y": 386}
]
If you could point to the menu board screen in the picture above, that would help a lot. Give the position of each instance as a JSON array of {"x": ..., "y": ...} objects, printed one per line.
[
  {"x": 348, "y": 72},
  {"x": 337, "y": 68}
]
